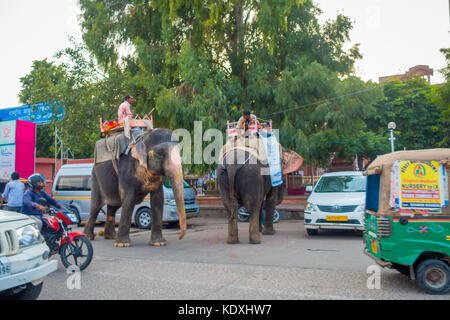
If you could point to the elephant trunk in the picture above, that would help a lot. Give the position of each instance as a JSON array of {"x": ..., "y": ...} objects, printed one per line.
[{"x": 174, "y": 172}]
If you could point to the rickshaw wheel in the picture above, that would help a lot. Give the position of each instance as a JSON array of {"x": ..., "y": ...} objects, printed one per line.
[{"x": 433, "y": 276}]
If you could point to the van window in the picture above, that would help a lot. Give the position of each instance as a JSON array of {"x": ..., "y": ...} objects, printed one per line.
[
  {"x": 73, "y": 183},
  {"x": 352, "y": 183}
]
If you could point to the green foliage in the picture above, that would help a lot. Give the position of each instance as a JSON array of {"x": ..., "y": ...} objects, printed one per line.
[
  {"x": 208, "y": 60},
  {"x": 409, "y": 104}
]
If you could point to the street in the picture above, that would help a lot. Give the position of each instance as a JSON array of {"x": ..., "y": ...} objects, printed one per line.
[{"x": 287, "y": 265}]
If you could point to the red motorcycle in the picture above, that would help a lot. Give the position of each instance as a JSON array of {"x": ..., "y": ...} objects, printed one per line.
[{"x": 74, "y": 248}]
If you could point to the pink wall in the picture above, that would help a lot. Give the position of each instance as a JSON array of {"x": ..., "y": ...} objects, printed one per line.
[{"x": 25, "y": 147}]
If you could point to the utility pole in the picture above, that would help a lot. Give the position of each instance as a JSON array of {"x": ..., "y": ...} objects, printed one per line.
[{"x": 391, "y": 127}]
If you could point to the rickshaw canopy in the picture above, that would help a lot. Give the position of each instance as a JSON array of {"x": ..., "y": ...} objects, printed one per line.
[{"x": 383, "y": 165}]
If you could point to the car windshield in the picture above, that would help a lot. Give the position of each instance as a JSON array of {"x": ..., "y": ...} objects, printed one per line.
[
  {"x": 167, "y": 183},
  {"x": 341, "y": 184}
]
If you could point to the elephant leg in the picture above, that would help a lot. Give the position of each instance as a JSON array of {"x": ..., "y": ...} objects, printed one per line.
[
  {"x": 254, "y": 225},
  {"x": 110, "y": 225},
  {"x": 268, "y": 218},
  {"x": 96, "y": 205},
  {"x": 157, "y": 208},
  {"x": 123, "y": 236},
  {"x": 233, "y": 232}
]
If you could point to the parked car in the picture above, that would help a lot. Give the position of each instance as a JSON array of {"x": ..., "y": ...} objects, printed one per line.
[
  {"x": 73, "y": 187},
  {"x": 23, "y": 257},
  {"x": 336, "y": 202}
]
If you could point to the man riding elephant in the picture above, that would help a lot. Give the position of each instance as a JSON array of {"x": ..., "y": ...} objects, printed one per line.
[{"x": 125, "y": 180}]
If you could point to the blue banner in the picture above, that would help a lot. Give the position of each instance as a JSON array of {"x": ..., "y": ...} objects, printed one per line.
[{"x": 38, "y": 113}]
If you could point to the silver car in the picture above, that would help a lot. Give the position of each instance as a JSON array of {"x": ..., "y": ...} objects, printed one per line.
[{"x": 72, "y": 186}]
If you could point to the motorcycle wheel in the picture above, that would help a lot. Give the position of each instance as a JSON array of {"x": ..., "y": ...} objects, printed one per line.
[
  {"x": 242, "y": 214},
  {"x": 276, "y": 216},
  {"x": 78, "y": 253}
]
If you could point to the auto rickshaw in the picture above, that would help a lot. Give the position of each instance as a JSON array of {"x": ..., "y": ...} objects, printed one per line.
[{"x": 407, "y": 216}]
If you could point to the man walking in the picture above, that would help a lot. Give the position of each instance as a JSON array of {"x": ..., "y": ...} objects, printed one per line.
[{"x": 13, "y": 193}]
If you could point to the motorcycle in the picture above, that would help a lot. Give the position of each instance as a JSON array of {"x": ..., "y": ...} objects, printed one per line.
[
  {"x": 243, "y": 215},
  {"x": 74, "y": 248}
]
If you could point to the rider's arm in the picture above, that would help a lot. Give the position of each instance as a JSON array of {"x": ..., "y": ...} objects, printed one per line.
[
  {"x": 239, "y": 126},
  {"x": 28, "y": 201},
  {"x": 52, "y": 201}
]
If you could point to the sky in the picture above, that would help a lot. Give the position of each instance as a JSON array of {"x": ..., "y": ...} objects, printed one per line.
[{"x": 394, "y": 35}]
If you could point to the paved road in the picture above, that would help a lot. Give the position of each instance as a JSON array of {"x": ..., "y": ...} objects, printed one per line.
[{"x": 288, "y": 265}]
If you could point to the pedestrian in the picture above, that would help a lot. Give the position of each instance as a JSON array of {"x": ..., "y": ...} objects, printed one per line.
[
  {"x": 13, "y": 193},
  {"x": 124, "y": 111}
]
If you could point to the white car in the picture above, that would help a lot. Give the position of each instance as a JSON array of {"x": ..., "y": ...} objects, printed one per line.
[
  {"x": 23, "y": 257},
  {"x": 337, "y": 202}
]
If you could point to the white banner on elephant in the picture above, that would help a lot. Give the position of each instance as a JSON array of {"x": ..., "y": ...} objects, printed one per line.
[{"x": 273, "y": 159}]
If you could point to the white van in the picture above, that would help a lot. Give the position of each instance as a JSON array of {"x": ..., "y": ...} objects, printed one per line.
[
  {"x": 337, "y": 202},
  {"x": 72, "y": 186}
]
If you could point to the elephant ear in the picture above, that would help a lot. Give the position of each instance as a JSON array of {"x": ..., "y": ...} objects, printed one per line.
[
  {"x": 138, "y": 152},
  {"x": 291, "y": 161}
]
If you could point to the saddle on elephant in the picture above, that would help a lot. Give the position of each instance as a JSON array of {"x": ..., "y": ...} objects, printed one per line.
[
  {"x": 131, "y": 123},
  {"x": 113, "y": 145}
]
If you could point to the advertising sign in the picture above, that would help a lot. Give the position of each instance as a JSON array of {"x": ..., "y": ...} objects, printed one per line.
[
  {"x": 7, "y": 132},
  {"x": 420, "y": 185},
  {"x": 7, "y": 160},
  {"x": 39, "y": 113}
]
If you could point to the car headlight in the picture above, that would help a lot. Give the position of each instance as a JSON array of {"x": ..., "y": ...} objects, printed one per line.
[
  {"x": 310, "y": 207},
  {"x": 360, "y": 208},
  {"x": 29, "y": 235}
]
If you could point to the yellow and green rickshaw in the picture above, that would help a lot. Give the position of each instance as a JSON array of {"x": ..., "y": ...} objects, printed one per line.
[{"x": 407, "y": 218}]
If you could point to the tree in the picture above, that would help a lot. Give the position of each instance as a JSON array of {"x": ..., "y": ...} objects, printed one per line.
[
  {"x": 409, "y": 104},
  {"x": 441, "y": 98},
  {"x": 43, "y": 84},
  {"x": 87, "y": 94},
  {"x": 209, "y": 60}
]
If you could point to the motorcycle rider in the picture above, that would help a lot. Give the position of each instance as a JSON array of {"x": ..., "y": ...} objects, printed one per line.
[{"x": 31, "y": 206}]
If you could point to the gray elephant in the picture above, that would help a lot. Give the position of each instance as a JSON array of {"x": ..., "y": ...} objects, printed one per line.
[
  {"x": 126, "y": 181},
  {"x": 243, "y": 184}
]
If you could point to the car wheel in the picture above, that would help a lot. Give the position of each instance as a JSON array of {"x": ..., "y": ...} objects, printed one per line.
[
  {"x": 433, "y": 276},
  {"x": 77, "y": 214},
  {"x": 312, "y": 232},
  {"x": 27, "y": 292},
  {"x": 143, "y": 218},
  {"x": 242, "y": 214}
]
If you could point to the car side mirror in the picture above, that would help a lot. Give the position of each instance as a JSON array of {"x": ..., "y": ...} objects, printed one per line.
[{"x": 309, "y": 189}]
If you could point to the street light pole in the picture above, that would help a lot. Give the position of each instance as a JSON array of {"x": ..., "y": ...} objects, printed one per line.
[{"x": 391, "y": 127}]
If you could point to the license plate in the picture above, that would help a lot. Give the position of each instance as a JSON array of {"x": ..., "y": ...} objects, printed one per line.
[
  {"x": 191, "y": 214},
  {"x": 337, "y": 218}
]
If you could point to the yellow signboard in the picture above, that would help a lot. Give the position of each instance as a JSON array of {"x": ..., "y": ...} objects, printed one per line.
[{"x": 419, "y": 185}]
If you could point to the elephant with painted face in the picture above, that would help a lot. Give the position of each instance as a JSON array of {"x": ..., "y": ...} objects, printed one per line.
[
  {"x": 243, "y": 184},
  {"x": 126, "y": 181}
]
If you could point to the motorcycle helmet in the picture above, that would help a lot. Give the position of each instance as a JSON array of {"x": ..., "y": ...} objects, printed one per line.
[{"x": 37, "y": 181}]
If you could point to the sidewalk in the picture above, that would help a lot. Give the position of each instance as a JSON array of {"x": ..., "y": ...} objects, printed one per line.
[{"x": 292, "y": 207}]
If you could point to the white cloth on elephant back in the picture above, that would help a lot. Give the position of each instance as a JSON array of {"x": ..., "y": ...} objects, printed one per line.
[
  {"x": 113, "y": 146},
  {"x": 252, "y": 145}
]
